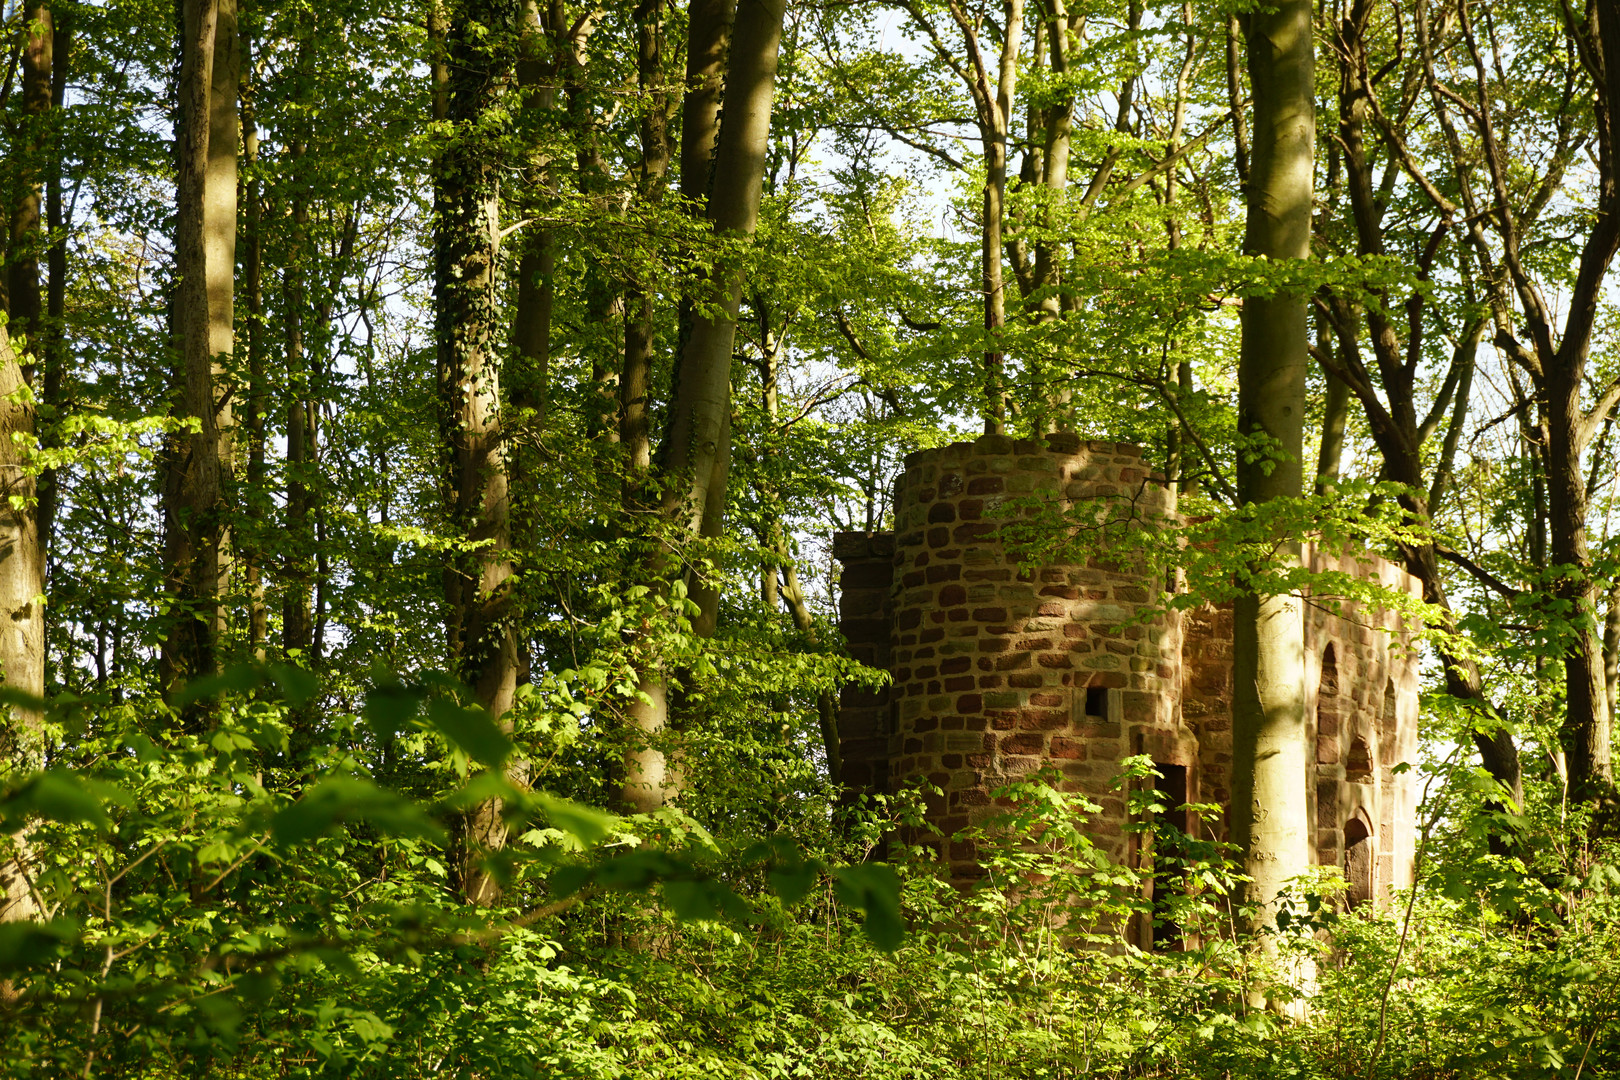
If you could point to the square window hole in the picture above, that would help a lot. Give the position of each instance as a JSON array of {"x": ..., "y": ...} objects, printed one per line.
[{"x": 1097, "y": 701}]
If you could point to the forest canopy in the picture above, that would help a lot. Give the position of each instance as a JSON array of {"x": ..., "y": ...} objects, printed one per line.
[{"x": 424, "y": 428}]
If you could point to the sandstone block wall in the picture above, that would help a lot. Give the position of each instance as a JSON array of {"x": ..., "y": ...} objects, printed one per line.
[{"x": 998, "y": 671}]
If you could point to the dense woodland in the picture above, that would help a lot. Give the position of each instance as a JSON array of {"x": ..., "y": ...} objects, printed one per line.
[{"x": 424, "y": 428}]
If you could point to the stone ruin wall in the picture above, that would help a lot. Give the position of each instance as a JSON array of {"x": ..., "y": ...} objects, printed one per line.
[
  {"x": 997, "y": 673},
  {"x": 1361, "y": 710}
]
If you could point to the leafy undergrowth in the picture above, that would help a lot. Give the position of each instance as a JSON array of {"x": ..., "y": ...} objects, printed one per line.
[{"x": 208, "y": 913}]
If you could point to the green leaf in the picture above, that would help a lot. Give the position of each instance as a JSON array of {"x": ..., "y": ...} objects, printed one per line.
[
  {"x": 875, "y": 890},
  {"x": 21, "y": 699},
  {"x": 297, "y": 686},
  {"x": 57, "y": 795},
  {"x": 389, "y": 708},
  {"x": 471, "y": 729},
  {"x": 350, "y": 798},
  {"x": 690, "y": 900},
  {"x": 792, "y": 882},
  {"x": 585, "y": 824},
  {"x": 25, "y": 944},
  {"x": 238, "y": 679}
]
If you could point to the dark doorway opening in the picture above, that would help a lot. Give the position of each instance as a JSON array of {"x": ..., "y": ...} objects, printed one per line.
[{"x": 1169, "y": 856}]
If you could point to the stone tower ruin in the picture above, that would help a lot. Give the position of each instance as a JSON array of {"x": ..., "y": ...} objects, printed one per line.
[{"x": 996, "y": 673}]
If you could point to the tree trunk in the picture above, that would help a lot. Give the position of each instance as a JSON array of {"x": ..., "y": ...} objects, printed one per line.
[
  {"x": 477, "y": 582},
  {"x": 1269, "y": 755},
  {"x": 635, "y": 380},
  {"x": 297, "y": 620},
  {"x": 22, "y": 550},
  {"x": 1394, "y": 425},
  {"x": 995, "y": 124},
  {"x": 22, "y": 640},
  {"x": 255, "y": 498},
  {"x": 530, "y": 385},
  {"x": 1586, "y": 732},
  {"x": 708, "y": 32},
  {"x": 32, "y": 157},
  {"x": 697, "y": 448},
  {"x": 196, "y": 532},
  {"x": 54, "y": 338}
]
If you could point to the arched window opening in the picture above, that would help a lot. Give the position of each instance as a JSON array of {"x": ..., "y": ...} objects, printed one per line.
[
  {"x": 1358, "y": 766},
  {"x": 1327, "y": 710},
  {"x": 1358, "y": 862}
]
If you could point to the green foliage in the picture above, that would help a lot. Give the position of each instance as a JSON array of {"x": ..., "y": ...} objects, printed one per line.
[{"x": 278, "y": 891}]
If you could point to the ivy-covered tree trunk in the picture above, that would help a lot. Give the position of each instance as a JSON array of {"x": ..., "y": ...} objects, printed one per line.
[
  {"x": 1269, "y": 755},
  {"x": 22, "y": 350},
  {"x": 473, "y": 480},
  {"x": 198, "y": 463},
  {"x": 22, "y": 637},
  {"x": 22, "y": 541},
  {"x": 697, "y": 448}
]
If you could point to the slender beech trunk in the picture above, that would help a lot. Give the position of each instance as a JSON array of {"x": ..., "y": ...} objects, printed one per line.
[
  {"x": 536, "y": 285},
  {"x": 995, "y": 118},
  {"x": 32, "y": 155},
  {"x": 1335, "y": 414},
  {"x": 1611, "y": 645},
  {"x": 22, "y": 574},
  {"x": 1057, "y": 123},
  {"x": 54, "y": 338},
  {"x": 254, "y": 499},
  {"x": 635, "y": 379},
  {"x": 779, "y": 577},
  {"x": 196, "y": 530},
  {"x": 22, "y": 644},
  {"x": 697, "y": 449},
  {"x": 473, "y": 480},
  {"x": 297, "y": 621},
  {"x": 1269, "y": 755},
  {"x": 22, "y": 548},
  {"x": 709, "y": 23},
  {"x": 542, "y": 39}
]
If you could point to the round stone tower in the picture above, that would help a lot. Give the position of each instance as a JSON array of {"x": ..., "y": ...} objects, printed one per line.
[{"x": 998, "y": 671}]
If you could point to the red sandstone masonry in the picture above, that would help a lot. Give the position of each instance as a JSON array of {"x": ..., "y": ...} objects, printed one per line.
[{"x": 998, "y": 672}]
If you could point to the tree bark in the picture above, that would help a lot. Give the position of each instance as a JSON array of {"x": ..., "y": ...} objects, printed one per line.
[
  {"x": 1586, "y": 730},
  {"x": 697, "y": 448},
  {"x": 22, "y": 638},
  {"x": 54, "y": 338},
  {"x": 196, "y": 530},
  {"x": 995, "y": 121},
  {"x": 31, "y": 155},
  {"x": 537, "y": 292},
  {"x": 477, "y": 580},
  {"x": 635, "y": 379},
  {"x": 708, "y": 32},
  {"x": 297, "y": 619},
  {"x": 1269, "y": 755},
  {"x": 254, "y": 499}
]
